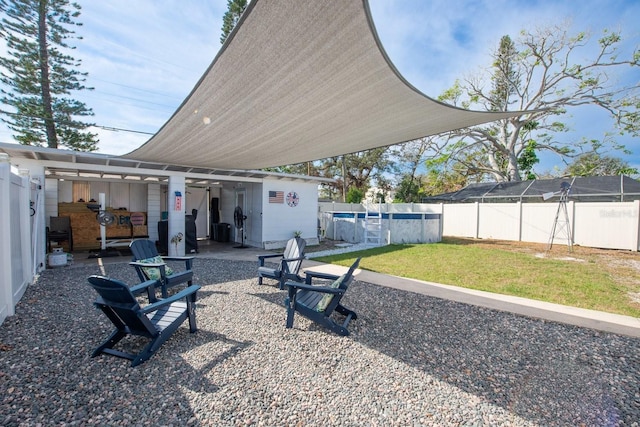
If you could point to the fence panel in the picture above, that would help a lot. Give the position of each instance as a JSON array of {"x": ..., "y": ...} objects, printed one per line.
[
  {"x": 499, "y": 221},
  {"x": 15, "y": 238},
  {"x": 460, "y": 220},
  {"x": 17, "y": 272},
  {"x": 609, "y": 225},
  {"x": 537, "y": 221},
  {"x": 606, "y": 225}
]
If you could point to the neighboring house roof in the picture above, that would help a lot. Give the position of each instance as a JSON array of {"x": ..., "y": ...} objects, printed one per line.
[
  {"x": 299, "y": 81},
  {"x": 583, "y": 189},
  {"x": 66, "y": 164}
]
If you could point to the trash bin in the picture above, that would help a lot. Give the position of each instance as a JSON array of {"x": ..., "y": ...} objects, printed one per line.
[{"x": 224, "y": 232}]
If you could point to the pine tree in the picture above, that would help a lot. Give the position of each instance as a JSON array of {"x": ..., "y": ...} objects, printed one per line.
[
  {"x": 39, "y": 76},
  {"x": 505, "y": 77},
  {"x": 235, "y": 8}
]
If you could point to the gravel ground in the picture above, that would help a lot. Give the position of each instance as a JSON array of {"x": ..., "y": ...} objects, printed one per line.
[{"x": 411, "y": 360}]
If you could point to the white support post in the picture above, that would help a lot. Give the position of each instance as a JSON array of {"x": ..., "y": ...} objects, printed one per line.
[
  {"x": 177, "y": 190},
  {"x": 103, "y": 229}
]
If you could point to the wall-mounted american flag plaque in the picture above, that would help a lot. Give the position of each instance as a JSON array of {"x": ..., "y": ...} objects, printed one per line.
[{"x": 276, "y": 196}]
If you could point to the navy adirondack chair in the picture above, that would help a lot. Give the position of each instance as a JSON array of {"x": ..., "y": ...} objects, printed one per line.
[
  {"x": 156, "y": 321},
  {"x": 289, "y": 265},
  {"x": 318, "y": 303},
  {"x": 151, "y": 266}
]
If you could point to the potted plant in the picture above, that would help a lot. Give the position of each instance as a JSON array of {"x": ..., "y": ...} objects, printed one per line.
[{"x": 176, "y": 240}]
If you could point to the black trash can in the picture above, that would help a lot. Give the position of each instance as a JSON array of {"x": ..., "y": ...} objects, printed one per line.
[{"x": 224, "y": 232}]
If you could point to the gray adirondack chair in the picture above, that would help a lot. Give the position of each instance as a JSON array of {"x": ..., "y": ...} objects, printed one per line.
[
  {"x": 151, "y": 266},
  {"x": 289, "y": 264},
  {"x": 318, "y": 303},
  {"x": 156, "y": 321}
]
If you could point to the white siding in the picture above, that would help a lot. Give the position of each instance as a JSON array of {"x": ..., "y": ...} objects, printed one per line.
[
  {"x": 280, "y": 220},
  {"x": 153, "y": 210}
]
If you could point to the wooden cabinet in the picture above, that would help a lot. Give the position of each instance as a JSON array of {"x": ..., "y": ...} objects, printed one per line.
[{"x": 86, "y": 230}]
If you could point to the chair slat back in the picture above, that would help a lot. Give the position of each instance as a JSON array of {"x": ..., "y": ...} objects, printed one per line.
[
  {"x": 118, "y": 303},
  {"x": 143, "y": 249},
  {"x": 344, "y": 284},
  {"x": 294, "y": 249},
  {"x": 59, "y": 223}
]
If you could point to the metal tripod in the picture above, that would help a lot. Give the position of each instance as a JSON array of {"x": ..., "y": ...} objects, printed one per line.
[{"x": 561, "y": 222}]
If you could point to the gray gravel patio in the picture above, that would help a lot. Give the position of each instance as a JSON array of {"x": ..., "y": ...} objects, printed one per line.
[{"x": 410, "y": 360}]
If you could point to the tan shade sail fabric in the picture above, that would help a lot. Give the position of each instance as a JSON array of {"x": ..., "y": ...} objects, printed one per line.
[{"x": 299, "y": 81}]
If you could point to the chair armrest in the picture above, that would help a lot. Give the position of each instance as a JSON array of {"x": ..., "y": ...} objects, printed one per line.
[
  {"x": 321, "y": 289},
  {"x": 316, "y": 274},
  {"x": 270, "y": 256},
  {"x": 147, "y": 264},
  {"x": 173, "y": 298},
  {"x": 143, "y": 286},
  {"x": 300, "y": 258},
  {"x": 178, "y": 258},
  {"x": 140, "y": 266},
  {"x": 188, "y": 260},
  {"x": 261, "y": 258}
]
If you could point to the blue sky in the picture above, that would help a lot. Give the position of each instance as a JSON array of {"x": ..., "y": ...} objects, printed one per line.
[{"x": 144, "y": 56}]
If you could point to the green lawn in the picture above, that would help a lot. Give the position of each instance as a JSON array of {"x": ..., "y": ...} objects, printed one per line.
[{"x": 586, "y": 282}]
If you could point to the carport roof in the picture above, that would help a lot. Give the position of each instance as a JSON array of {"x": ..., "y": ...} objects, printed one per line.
[
  {"x": 298, "y": 81},
  {"x": 67, "y": 164}
]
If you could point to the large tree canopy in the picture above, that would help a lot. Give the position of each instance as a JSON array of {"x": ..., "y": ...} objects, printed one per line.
[
  {"x": 545, "y": 74},
  {"x": 39, "y": 75},
  {"x": 594, "y": 164}
]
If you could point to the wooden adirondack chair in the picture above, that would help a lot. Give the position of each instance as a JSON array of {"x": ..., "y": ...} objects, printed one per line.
[
  {"x": 156, "y": 321},
  {"x": 289, "y": 266},
  {"x": 151, "y": 266},
  {"x": 318, "y": 303}
]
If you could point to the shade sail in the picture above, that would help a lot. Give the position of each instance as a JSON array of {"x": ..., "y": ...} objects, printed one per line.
[{"x": 299, "y": 81}]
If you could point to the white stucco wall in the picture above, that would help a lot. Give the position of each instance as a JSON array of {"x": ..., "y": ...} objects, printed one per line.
[{"x": 281, "y": 220}]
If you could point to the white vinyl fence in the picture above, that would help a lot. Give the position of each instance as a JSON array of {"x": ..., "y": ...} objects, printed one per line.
[
  {"x": 608, "y": 225},
  {"x": 16, "y": 255}
]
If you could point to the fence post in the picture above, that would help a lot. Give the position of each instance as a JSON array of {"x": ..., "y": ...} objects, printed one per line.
[
  {"x": 441, "y": 206},
  {"x": 519, "y": 204},
  {"x": 477, "y": 233},
  {"x": 6, "y": 281},
  {"x": 636, "y": 234},
  {"x": 572, "y": 220}
]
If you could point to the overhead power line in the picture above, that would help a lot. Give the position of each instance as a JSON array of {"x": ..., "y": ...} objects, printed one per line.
[
  {"x": 113, "y": 129},
  {"x": 109, "y": 128}
]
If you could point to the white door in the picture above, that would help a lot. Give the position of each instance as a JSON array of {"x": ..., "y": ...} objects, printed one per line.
[{"x": 198, "y": 198}]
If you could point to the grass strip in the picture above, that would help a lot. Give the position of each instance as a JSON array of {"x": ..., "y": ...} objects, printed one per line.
[{"x": 576, "y": 283}]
